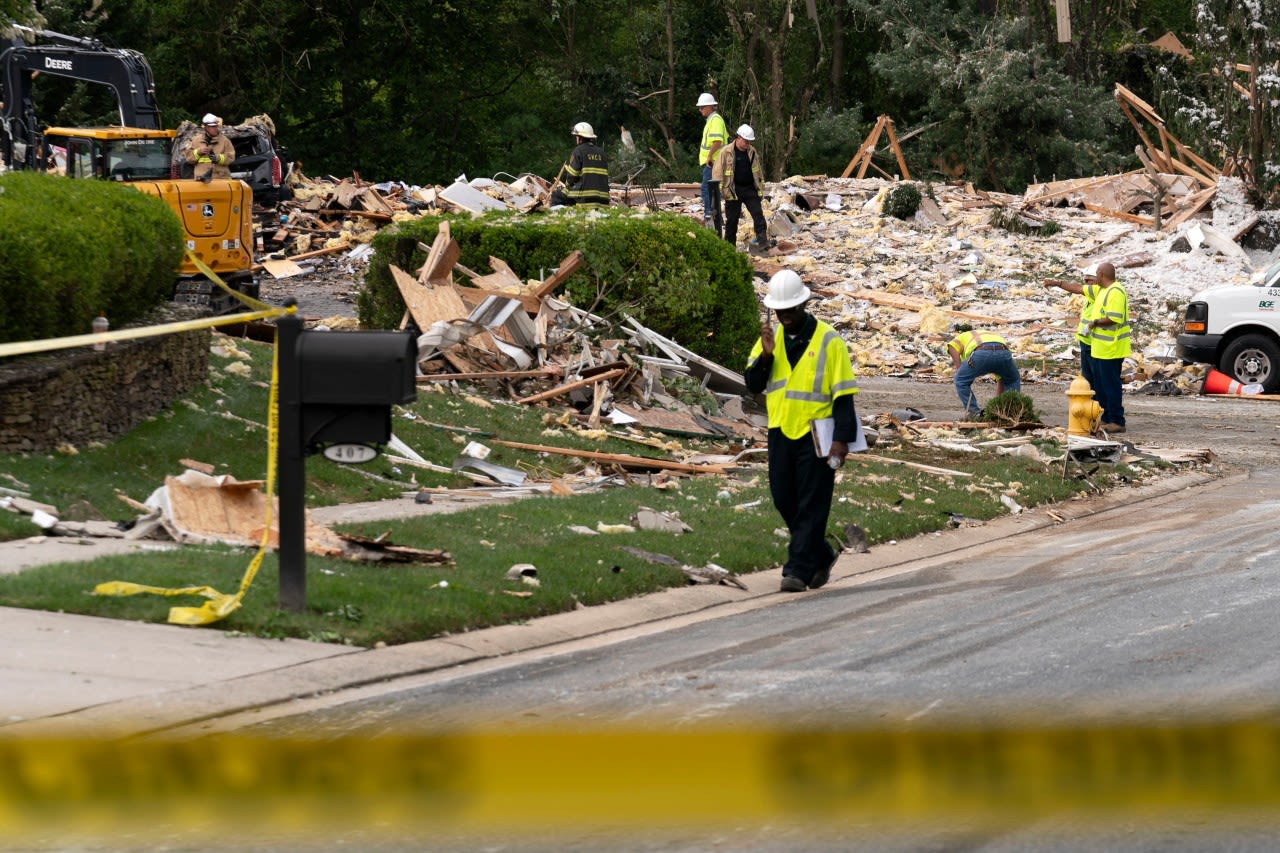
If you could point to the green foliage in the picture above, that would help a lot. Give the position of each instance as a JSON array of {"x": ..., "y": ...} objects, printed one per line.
[
  {"x": 901, "y": 201},
  {"x": 1010, "y": 220},
  {"x": 674, "y": 277},
  {"x": 1215, "y": 118},
  {"x": 70, "y": 250},
  {"x": 1010, "y": 409},
  {"x": 828, "y": 141},
  {"x": 1006, "y": 109}
]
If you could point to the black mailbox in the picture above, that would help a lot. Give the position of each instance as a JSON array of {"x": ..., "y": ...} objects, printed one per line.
[{"x": 348, "y": 382}]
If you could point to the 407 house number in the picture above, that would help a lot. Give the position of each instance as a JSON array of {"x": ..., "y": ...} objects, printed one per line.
[{"x": 350, "y": 454}]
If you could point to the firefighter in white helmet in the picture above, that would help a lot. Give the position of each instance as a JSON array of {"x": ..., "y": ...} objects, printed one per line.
[
  {"x": 806, "y": 375},
  {"x": 586, "y": 175},
  {"x": 210, "y": 152}
]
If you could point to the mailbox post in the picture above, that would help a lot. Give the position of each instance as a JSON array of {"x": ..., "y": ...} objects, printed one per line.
[{"x": 336, "y": 391}]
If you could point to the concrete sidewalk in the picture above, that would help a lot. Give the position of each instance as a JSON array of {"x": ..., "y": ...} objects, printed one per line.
[{"x": 63, "y": 673}]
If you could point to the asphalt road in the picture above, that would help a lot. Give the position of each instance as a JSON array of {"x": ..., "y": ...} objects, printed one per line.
[{"x": 1146, "y": 613}]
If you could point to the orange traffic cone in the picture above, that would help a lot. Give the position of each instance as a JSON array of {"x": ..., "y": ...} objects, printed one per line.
[{"x": 1217, "y": 382}]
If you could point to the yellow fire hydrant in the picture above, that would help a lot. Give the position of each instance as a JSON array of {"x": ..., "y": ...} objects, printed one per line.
[{"x": 1083, "y": 412}]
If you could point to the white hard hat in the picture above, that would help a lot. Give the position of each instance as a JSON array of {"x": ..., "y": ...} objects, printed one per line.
[
  {"x": 584, "y": 130},
  {"x": 746, "y": 132},
  {"x": 706, "y": 99},
  {"x": 1091, "y": 271},
  {"x": 210, "y": 118},
  {"x": 786, "y": 290}
]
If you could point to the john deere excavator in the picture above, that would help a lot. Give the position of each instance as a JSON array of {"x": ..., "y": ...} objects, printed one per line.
[{"x": 217, "y": 215}]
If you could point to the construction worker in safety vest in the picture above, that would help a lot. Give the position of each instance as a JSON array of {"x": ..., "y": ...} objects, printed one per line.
[
  {"x": 714, "y": 137},
  {"x": 804, "y": 370},
  {"x": 211, "y": 152},
  {"x": 974, "y": 354},
  {"x": 586, "y": 175},
  {"x": 1105, "y": 339}
]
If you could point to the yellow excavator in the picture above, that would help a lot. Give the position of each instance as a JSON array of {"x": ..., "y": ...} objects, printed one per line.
[{"x": 217, "y": 215}]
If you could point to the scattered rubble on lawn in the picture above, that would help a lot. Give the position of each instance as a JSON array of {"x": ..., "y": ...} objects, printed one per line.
[{"x": 196, "y": 507}]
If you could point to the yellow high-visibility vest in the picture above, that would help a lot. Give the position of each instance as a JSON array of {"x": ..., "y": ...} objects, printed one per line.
[
  {"x": 966, "y": 342},
  {"x": 803, "y": 393},
  {"x": 1112, "y": 341}
]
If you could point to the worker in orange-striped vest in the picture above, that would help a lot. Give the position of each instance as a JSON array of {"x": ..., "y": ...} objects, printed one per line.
[{"x": 974, "y": 354}]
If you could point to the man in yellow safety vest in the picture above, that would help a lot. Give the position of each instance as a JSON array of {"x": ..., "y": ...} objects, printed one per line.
[
  {"x": 974, "y": 354},
  {"x": 806, "y": 375}
]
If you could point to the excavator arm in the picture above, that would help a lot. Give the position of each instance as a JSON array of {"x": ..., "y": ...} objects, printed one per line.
[{"x": 126, "y": 72}]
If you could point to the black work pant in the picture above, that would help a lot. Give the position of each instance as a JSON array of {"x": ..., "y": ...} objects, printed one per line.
[
  {"x": 801, "y": 483},
  {"x": 733, "y": 212}
]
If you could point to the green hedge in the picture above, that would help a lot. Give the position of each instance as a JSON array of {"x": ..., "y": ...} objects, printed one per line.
[
  {"x": 663, "y": 269},
  {"x": 71, "y": 249}
]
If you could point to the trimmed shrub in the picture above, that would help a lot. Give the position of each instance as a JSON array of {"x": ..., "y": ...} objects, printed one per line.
[
  {"x": 667, "y": 272},
  {"x": 71, "y": 249}
]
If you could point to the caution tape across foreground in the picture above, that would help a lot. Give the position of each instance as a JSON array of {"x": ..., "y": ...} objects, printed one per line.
[
  {"x": 538, "y": 780},
  {"x": 218, "y": 605}
]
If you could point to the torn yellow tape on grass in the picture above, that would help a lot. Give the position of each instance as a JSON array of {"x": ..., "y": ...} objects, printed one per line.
[{"x": 220, "y": 605}]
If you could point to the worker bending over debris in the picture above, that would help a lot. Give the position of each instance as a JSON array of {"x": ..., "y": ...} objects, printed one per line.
[
  {"x": 586, "y": 175},
  {"x": 806, "y": 375},
  {"x": 974, "y": 354}
]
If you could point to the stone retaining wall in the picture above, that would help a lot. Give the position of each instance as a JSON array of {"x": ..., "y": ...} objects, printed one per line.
[{"x": 82, "y": 395}]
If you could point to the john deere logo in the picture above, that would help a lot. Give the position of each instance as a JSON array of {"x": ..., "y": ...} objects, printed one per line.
[{"x": 206, "y": 210}]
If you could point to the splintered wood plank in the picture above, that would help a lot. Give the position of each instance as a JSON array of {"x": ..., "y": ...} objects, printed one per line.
[
  {"x": 568, "y": 267},
  {"x": 473, "y": 296},
  {"x": 445, "y": 252},
  {"x": 618, "y": 458},
  {"x": 571, "y": 386}
]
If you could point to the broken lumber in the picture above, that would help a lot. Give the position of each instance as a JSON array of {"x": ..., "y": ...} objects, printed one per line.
[
  {"x": 617, "y": 458},
  {"x": 567, "y": 268},
  {"x": 571, "y": 386}
]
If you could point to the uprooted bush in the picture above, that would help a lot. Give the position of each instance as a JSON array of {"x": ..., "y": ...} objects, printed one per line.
[
  {"x": 670, "y": 274},
  {"x": 72, "y": 249},
  {"x": 1010, "y": 409}
]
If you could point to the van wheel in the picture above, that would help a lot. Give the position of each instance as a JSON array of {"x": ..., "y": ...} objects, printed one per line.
[{"x": 1253, "y": 358}]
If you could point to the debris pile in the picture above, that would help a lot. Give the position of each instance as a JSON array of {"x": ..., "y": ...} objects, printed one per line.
[{"x": 892, "y": 287}]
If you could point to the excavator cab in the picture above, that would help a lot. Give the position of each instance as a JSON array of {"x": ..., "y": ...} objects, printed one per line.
[{"x": 111, "y": 153}]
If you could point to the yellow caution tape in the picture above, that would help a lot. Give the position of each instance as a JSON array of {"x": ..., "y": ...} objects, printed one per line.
[
  {"x": 261, "y": 311},
  {"x": 220, "y": 605},
  {"x": 208, "y": 273},
  {"x": 27, "y": 347},
  {"x": 528, "y": 781}
]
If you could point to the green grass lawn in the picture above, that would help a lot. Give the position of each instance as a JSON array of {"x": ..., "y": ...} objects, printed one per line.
[{"x": 733, "y": 521}]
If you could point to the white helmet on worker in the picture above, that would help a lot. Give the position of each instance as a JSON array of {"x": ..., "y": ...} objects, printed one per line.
[
  {"x": 584, "y": 130},
  {"x": 786, "y": 290},
  {"x": 706, "y": 99},
  {"x": 745, "y": 131},
  {"x": 1091, "y": 271},
  {"x": 211, "y": 119}
]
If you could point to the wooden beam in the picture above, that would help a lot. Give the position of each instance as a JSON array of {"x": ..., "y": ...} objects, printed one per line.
[
  {"x": 567, "y": 267},
  {"x": 619, "y": 458},
  {"x": 493, "y": 374},
  {"x": 1145, "y": 221},
  {"x": 893, "y": 143},
  {"x": 1194, "y": 205},
  {"x": 868, "y": 144},
  {"x": 572, "y": 386}
]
